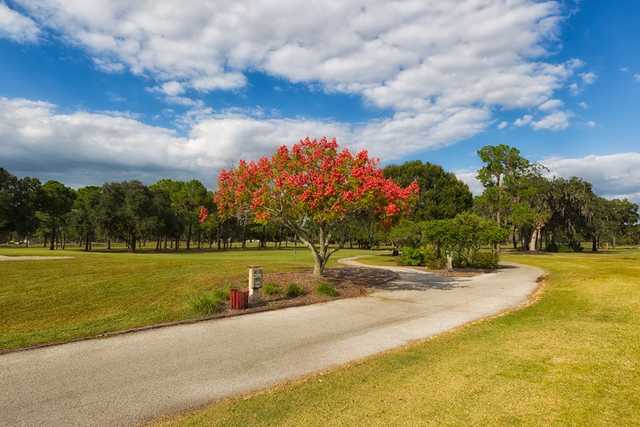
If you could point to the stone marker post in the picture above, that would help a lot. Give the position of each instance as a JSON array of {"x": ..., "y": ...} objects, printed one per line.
[{"x": 255, "y": 284}]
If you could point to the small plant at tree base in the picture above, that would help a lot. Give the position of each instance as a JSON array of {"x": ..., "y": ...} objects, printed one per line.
[
  {"x": 327, "y": 290},
  {"x": 272, "y": 289},
  {"x": 432, "y": 260},
  {"x": 208, "y": 304},
  {"x": 294, "y": 291},
  {"x": 411, "y": 256},
  {"x": 485, "y": 260}
]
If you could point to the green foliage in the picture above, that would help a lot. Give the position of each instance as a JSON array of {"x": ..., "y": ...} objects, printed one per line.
[
  {"x": 463, "y": 236},
  {"x": 411, "y": 256},
  {"x": 208, "y": 304},
  {"x": 442, "y": 195},
  {"x": 294, "y": 291},
  {"x": 431, "y": 258},
  {"x": 327, "y": 289},
  {"x": 485, "y": 260},
  {"x": 406, "y": 234},
  {"x": 272, "y": 289}
]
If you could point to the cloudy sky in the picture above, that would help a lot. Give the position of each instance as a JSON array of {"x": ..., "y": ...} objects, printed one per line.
[{"x": 112, "y": 89}]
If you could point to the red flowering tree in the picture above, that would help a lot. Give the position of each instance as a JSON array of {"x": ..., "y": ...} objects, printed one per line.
[{"x": 313, "y": 189}]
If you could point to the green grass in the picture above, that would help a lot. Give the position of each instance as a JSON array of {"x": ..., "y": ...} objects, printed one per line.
[
  {"x": 573, "y": 358},
  {"x": 93, "y": 293}
]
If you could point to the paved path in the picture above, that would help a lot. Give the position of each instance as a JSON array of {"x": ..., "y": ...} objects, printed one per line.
[{"x": 131, "y": 378}]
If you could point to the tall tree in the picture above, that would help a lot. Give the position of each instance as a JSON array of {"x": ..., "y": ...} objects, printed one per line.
[
  {"x": 109, "y": 210},
  {"x": 442, "y": 195},
  {"x": 135, "y": 219},
  {"x": 503, "y": 166},
  {"x": 313, "y": 189},
  {"x": 57, "y": 201},
  {"x": 8, "y": 184},
  {"x": 85, "y": 214}
]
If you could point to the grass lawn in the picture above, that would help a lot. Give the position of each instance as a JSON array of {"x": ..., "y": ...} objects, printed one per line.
[
  {"x": 573, "y": 358},
  {"x": 93, "y": 293}
]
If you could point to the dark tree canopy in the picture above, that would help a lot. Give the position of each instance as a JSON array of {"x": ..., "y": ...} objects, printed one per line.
[{"x": 442, "y": 195}]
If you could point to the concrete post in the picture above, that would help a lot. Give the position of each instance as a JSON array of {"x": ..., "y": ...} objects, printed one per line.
[{"x": 255, "y": 284}]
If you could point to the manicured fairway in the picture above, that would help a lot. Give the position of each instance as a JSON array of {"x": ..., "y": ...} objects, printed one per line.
[
  {"x": 573, "y": 358},
  {"x": 93, "y": 293}
]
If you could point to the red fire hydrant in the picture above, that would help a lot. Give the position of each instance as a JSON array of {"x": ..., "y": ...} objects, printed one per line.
[{"x": 238, "y": 300}]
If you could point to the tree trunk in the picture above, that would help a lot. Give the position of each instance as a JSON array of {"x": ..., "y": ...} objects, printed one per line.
[
  {"x": 449, "y": 263},
  {"x": 594, "y": 244},
  {"x": 535, "y": 236},
  {"x": 52, "y": 243},
  {"x": 189, "y": 237}
]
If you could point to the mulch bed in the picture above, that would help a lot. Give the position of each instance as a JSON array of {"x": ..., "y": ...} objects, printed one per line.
[{"x": 348, "y": 282}]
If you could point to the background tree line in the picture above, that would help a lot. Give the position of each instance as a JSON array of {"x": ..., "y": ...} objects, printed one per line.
[{"x": 531, "y": 211}]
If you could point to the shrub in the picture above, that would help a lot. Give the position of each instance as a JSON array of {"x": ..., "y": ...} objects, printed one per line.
[
  {"x": 327, "y": 290},
  {"x": 294, "y": 291},
  {"x": 208, "y": 304},
  {"x": 272, "y": 289},
  {"x": 432, "y": 260},
  {"x": 412, "y": 256},
  {"x": 485, "y": 260}
]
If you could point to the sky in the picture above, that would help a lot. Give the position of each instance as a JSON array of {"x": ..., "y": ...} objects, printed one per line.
[{"x": 112, "y": 90}]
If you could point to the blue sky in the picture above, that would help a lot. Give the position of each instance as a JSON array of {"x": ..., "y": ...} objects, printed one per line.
[{"x": 105, "y": 91}]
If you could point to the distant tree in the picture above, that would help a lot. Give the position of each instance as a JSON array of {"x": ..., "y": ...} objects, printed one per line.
[
  {"x": 57, "y": 201},
  {"x": 8, "y": 184},
  {"x": 442, "y": 195},
  {"x": 135, "y": 212},
  {"x": 462, "y": 237},
  {"x": 84, "y": 215},
  {"x": 109, "y": 210},
  {"x": 191, "y": 197},
  {"x": 406, "y": 233},
  {"x": 313, "y": 190},
  {"x": 572, "y": 205},
  {"x": 503, "y": 166}
]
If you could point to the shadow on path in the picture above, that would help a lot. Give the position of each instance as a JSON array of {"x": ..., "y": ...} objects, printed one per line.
[{"x": 386, "y": 279}]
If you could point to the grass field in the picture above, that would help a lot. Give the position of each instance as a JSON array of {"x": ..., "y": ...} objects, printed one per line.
[
  {"x": 573, "y": 358},
  {"x": 93, "y": 293}
]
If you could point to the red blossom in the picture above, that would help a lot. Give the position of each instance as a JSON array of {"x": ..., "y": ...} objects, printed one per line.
[{"x": 315, "y": 180}]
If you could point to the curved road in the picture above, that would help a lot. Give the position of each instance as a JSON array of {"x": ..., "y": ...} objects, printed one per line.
[{"x": 131, "y": 378}]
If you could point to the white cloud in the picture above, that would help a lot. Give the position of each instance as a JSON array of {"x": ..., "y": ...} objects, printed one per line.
[
  {"x": 17, "y": 27},
  {"x": 588, "y": 78},
  {"x": 441, "y": 68},
  {"x": 523, "y": 121},
  {"x": 37, "y": 138},
  {"x": 591, "y": 124},
  {"x": 558, "y": 120},
  {"x": 551, "y": 105},
  {"x": 613, "y": 175},
  {"x": 574, "y": 89},
  {"x": 583, "y": 105},
  {"x": 408, "y": 57},
  {"x": 470, "y": 178},
  {"x": 503, "y": 125},
  {"x": 637, "y": 77}
]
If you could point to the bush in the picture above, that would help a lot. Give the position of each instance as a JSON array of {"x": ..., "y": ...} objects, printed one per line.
[
  {"x": 272, "y": 289},
  {"x": 432, "y": 260},
  {"x": 208, "y": 304},
  {"x": 485, "y": 260},
  {"x": 412, "y": 256},
  {"x": 327, "y": 290},
  {"x": 294, "y": 291}
]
